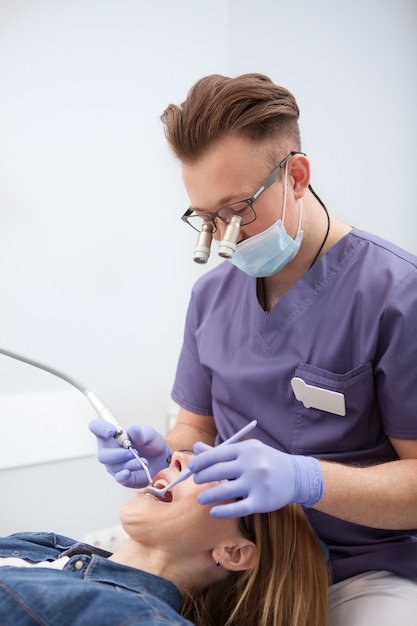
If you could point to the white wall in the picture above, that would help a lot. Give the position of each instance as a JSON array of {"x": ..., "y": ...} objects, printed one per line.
[
  {"x": 96, "y": 266},
  {"x": 352, "y": 67},
  {"x": 92, "y": 279}
]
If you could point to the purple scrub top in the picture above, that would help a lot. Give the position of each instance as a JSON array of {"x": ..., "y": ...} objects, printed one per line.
[{"x": 349, "y": 325}]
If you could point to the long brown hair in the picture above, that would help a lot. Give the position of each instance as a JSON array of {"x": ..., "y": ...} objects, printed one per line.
[
  {"x": 250, "y": 106},
  {"x": 286, "y": 586}
]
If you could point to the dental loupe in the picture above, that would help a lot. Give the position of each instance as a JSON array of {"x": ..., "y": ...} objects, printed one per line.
[
  {"x": 202, "y": 249},
  {"x": 227, "y": 245},
  {"x": 121, "y": 436}
]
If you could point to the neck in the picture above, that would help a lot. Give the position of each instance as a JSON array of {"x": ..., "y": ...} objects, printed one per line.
[
  {"x": 323, "y": 243},
  {"x": 321, "y": 232},
  {"x": 183, "y": 571}
]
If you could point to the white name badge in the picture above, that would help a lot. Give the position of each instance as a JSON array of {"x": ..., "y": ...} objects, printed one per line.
[{"x": 318, "y": 398}]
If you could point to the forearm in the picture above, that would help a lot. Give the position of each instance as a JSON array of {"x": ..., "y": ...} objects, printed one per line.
[
  {"x": 381, "y": 496},
  {"x": 189, "y": 428}
]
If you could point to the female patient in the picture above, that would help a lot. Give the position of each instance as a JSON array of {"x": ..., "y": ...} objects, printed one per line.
[{"x": 264, "y": 570}]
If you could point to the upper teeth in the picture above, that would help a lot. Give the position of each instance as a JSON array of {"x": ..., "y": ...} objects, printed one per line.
[{"x": 160, "y": 483}]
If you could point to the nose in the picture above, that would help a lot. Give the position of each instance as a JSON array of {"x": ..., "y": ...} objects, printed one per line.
[
  {"x": 180, "y": 459},
  {"x": 220, "y": 229},
  {"x": 176, "y": 463}
]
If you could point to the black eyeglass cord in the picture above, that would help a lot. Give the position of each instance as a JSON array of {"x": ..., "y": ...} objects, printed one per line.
[
  {"x": 328, "y": 226},
  {"x": 317, "y": 253}
]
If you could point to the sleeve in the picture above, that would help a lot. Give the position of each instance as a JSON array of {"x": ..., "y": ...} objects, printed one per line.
[
  {"x": 192, "y": 383},
  {"x": 396, "y": 370}
]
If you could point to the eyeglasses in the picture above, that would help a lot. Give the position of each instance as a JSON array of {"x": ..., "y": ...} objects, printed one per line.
[{"x": 243, "y": 208}]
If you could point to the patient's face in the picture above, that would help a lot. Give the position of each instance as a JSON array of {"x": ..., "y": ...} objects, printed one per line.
[{"x": 182, "y": 520}]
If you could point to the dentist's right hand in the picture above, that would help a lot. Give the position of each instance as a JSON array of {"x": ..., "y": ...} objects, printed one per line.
[{"x": 149, "y": 444}]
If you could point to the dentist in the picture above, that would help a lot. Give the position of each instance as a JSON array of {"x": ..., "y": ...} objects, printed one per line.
[{"x": 310, "y": 327}]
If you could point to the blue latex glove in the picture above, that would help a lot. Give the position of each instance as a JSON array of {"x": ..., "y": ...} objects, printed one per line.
[
  {"x": 262, "y": 478},
  {"x": 119, "y": 462}
]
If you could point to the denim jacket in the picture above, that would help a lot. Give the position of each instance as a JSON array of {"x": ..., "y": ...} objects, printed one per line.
[{"x": 89, "y": 591}]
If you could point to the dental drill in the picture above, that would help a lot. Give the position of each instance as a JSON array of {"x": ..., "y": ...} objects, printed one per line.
[
  {"x": 121, "y": 435},
  {"x": 227, "y": 245}
]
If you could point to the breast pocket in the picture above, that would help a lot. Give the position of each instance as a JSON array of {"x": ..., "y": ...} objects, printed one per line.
[{"x": 321, "y": 431}]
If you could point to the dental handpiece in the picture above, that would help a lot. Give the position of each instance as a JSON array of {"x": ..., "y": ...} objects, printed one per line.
[
  {"x": 121, "y": 435},
  {"x": 202, "y": 249},
  {"x": 227, "y": 246}
]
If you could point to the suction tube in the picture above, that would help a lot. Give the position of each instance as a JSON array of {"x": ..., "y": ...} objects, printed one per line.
[
  {"x": 202, "y": 249},
  {"x": 121, "y": 436},
  {"x": 227, "y": 246},
  {"x": 102, "y": 411}
]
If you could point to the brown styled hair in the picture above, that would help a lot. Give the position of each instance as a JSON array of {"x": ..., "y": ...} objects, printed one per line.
[
  {"x": 250, "y": 106},
  {"x": 286, "y": 585}
]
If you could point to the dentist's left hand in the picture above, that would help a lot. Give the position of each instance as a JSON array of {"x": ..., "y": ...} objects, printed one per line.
[
  {"x": 119, "y": 462},
  {"x": 254, "y": 478}
]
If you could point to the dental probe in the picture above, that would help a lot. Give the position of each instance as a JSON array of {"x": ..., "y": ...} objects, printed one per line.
[
  {"x": 160, "y": 493},
  {"x": 121, "y": 436}
]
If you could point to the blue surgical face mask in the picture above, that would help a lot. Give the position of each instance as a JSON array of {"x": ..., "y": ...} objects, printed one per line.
[{"x": 268, "y": 252}]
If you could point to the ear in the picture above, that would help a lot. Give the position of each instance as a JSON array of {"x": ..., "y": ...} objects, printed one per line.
[
  {"x": 299, "y": 170},
  {"x": 237, "y": 557}
]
